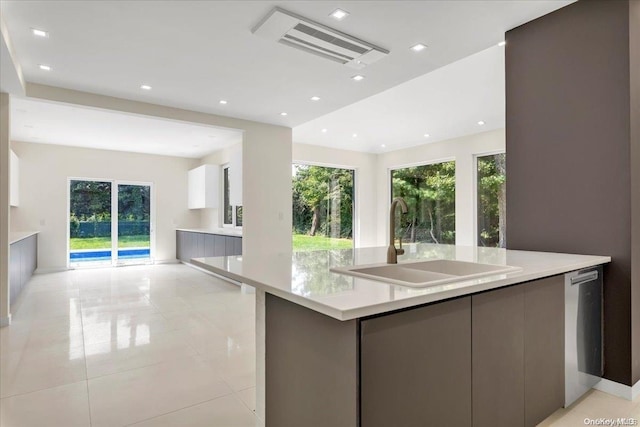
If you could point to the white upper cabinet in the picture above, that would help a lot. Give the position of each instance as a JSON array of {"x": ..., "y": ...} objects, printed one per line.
[
  {"x": 235, "y": 175},
  {"x": 204, "y": 187},
  {"x": 14, "y": 180}
]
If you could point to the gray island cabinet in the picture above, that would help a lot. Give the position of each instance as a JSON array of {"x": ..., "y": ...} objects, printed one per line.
[
  {"x": 343, "y": 351},
  {"x": 495, "y": 358}
]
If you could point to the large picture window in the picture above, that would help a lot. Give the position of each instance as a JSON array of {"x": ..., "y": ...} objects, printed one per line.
[
  {"x": 322, "y": 207},
  {"x": 492, "y": 200},
  {"x": 430, "y": 193}
]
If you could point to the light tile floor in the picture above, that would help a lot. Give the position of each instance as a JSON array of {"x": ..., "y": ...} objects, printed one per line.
[{"x": 162, "y": 345}]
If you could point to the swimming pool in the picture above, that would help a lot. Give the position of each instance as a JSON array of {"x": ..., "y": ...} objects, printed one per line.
[{"x": 93, "y": 255}]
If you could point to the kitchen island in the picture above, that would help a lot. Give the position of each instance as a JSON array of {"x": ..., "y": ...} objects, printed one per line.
[{"x": 344, "y": 351}]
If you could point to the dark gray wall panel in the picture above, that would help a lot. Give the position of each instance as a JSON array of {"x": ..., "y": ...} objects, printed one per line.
[
  {"x": 568, "y": 147},
  {"x": 634, "y": 49}
]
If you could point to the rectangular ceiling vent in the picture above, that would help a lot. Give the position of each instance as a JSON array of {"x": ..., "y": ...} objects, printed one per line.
[{"x": 295, "y": 31}]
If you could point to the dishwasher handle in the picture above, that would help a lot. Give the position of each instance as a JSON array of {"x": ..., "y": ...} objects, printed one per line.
[{"x": 584, "y": 277}]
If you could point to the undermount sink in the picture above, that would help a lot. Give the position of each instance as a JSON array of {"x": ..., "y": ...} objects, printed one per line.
[{"x": 421, "y": 274}]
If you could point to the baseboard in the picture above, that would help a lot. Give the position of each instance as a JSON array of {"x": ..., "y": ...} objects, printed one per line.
[
  {"x": 617, "y": 389},
  {"x": 166, "y": 261},
  {"x": 46, "y": 270},
  {"x": 5, "y": 321}
]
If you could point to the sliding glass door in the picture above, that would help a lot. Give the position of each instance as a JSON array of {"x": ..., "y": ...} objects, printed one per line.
[
  {"x": 90, "y": 242},
  {"x": 109, "y": 223},
  {"x": 134, "y": 224}
]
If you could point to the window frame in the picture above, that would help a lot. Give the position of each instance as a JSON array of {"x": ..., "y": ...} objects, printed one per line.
[
  {"x": 475, "y": 188},
  {"x": 224, "y": 183}
]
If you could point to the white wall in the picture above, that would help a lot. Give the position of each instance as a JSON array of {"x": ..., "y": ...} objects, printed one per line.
[
  {"x": 266, "y": 149},
  {"x": 44, "y": 170},
  {"x": 462, "y": 150},
  {"x": 365, "y": 190}
]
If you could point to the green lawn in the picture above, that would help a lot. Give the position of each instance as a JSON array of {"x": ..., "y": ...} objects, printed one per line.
[
  {"x": 303, "y": 242},
  {"x": 105, "y": 242}
]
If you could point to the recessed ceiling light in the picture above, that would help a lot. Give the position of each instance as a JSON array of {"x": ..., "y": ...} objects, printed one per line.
[
  {"x": 145, "y": 87},
  {"x": 418, "y": 47},
  {"x": 315, "y": 98},
  {"x": 45, "y": 67},
  {"x": 426, "y": 135},
  {"x": 324, "y": 131},
  {"x": 339, "y": 14},
  {"x": 223, "y": 102},
  {"x": 357, "y": 77},
  {"x": 481, "y": 122},
  {"x": 355, "y": 135},
  {"x": 39, "y": 33},
  {"x": 502, "y": 43},
  {"x": 383, "y": 146},
  {"x": 283, "y": 114}
]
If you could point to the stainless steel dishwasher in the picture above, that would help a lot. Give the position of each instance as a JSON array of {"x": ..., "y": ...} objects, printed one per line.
[{"x": 583, "y": 332}]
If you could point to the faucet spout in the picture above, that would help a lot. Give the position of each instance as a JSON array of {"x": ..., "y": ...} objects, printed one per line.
[{"x": 392, "y": 251}]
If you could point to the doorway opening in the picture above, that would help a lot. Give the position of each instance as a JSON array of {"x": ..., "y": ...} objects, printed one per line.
[{"x": 109, "y": 223}]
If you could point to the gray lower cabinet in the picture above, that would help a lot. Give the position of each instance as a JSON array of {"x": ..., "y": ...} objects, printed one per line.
[
  {"x": 518, "y": 353},
  {"x": 197, "y": 245},
  {"x": 233, "y": 245},
  {"x": 490, "y": 359},
  {"x": 23, "y": 261},
  {"x": 220, "y": 245},
  {"x": 311, "y": 374},
  {"x": 415, "y": 367},
  {"x": 498, "y": 358},
  {"x": 544, "y": 348}
]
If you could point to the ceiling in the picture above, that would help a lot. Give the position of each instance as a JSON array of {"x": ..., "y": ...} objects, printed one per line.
[
  {"x": 445, "y": 103},
  {"x": 195, "y": 53},
  {"x": 61, "y": 124}
]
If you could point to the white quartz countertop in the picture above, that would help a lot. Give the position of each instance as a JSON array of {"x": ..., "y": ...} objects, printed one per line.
[
  {"x": 237, "y": 232},
  {"x": 304, "y": 277},
  {"x": 16, "y": 236}
]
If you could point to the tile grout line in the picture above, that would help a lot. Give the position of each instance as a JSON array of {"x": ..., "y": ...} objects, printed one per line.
[
  {"x": 40, "y": 389},
  {"x": 178, "y": 410},
  {"x": 236, "y": 393}
]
